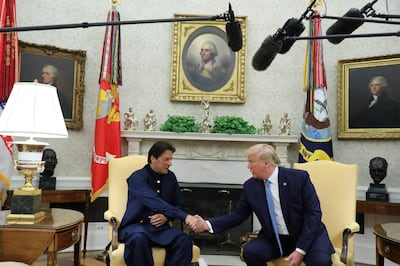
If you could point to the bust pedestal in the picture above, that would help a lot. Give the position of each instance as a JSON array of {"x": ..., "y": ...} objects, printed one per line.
[
  {"x": 377, "y": 192},
  {"x": 47, "y": 182}
]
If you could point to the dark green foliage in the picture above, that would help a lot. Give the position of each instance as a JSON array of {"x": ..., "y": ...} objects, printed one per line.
[
  {"x": 232, "y": 125},
  {"x": 177, "y": 123}
]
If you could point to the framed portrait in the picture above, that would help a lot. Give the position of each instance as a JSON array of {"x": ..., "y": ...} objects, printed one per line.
[
  {"x": 203, "y": 65},
  {"x": 62, "y": 68},
  {"x": 369, "y": 98}
]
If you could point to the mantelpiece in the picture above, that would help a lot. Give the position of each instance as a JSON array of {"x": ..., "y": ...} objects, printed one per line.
[{"x": 208, "y": 157}]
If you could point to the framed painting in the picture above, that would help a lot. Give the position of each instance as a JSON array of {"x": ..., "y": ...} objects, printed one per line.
[
  {"x": 203, "y": 65},
  {"x": 369, "y": 98},
  {"x": 62, "y": 68}
]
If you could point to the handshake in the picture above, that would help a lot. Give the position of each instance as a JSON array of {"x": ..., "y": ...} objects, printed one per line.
[{"x": 196, "y": 223}]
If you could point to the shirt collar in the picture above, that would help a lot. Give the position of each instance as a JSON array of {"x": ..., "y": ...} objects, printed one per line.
[{"x": 273, "y": 178}]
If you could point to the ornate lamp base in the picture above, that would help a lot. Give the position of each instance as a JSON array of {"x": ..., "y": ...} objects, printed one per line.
[
  {"x": 25, "y": 218},
  {"x": 26, "y": 202},
  {"x": 26, "y": 207}
]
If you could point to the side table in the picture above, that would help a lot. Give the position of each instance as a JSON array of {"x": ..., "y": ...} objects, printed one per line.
[
  {"x": 60, "y": 229},
  {"x": 69, "y": 196},
  {"x": 377, "y": 207},
  {"x": 81, "y": 196},
  {"x": 387, "y": 242}
]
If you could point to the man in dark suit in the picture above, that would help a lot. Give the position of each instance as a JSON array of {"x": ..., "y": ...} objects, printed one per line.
[
  {"x": 302, "y": 235},
  {"x": 154, "y": 199}
]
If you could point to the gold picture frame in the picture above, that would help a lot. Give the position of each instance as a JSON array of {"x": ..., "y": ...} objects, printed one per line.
[
  {"x": 69, "y": 66},
  {"x": 354, "y": 98},
  {"x": 187, "y": 84}
]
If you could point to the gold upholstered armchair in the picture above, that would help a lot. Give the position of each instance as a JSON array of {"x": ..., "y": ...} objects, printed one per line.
[
  {"x": 336, "y": 185},
  {"x": 119, "y": 169}
]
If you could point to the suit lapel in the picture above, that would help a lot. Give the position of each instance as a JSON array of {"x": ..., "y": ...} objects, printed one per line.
[{"x": 283, "y": 192}]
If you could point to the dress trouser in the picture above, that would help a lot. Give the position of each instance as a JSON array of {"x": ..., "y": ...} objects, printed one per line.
[
  {"x": 138, "y": 251},
  {"x": 260, "y": 250}
]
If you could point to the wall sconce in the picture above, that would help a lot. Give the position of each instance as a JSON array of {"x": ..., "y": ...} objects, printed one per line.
[{"x": 32, "y": 111}]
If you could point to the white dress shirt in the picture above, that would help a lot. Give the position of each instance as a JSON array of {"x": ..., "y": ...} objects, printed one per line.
[{"x": 282, "y": 229}]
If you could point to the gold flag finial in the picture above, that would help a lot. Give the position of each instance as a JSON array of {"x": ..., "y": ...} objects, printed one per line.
[
  {"x": 316, "y": 4},
  {"x": 114, "y": 3}
]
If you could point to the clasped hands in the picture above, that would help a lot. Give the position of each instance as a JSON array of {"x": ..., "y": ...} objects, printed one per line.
[{"x": 196, "y": 223}]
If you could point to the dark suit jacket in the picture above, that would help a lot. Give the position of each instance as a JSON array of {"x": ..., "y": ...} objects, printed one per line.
[
  {"x": 147, "y": 196},
  {"x": 300, "y": 208},
  {"x": 385, "y": 113}
]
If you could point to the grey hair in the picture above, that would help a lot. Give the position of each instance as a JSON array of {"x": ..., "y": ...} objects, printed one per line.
[
  {"x": 212, "y": 46},
  {"x": 380, "y": 79},
  {"x": 265, "y": 152},
  {"x": 53, "y": 70}
]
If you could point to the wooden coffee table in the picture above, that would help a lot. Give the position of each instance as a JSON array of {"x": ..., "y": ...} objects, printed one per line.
[
  {"x": 60, "y": 229},
  {"x": 387, "y": 242}
]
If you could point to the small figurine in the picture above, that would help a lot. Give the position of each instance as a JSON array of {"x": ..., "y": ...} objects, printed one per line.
[
  {"x": 150, "y": 121},
  {"x": 131, "y": 123},
  {"x": 267, "y": 125},
  {"x": 205, "y": 126},
  {"x": 284, "y": 125}
]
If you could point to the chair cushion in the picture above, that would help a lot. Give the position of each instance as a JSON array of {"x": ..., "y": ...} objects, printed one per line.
[
  {"x": 280, "y": 262},
  {"x": 335, "y": 260},
  {"x": 196, "y": 254},
  {"x": 117, "y": 256}
]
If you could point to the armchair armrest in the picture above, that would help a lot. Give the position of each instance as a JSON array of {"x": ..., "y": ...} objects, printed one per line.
[
  {"x": 109, "y": 216},
  {"x": 347, "y": 232}
]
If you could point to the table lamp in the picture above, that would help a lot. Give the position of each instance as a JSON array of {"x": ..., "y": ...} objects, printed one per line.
[{"x": 32, "y": 111}]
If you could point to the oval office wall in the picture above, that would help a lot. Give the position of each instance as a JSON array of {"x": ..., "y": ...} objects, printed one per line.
[{"x": 147, "y": 66}]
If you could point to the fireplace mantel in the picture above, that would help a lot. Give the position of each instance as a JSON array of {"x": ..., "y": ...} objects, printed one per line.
[{"x": 207, "y": 146}]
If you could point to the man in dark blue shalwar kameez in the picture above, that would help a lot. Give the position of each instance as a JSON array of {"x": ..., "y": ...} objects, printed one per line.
[{"x": 154, "y": 199}]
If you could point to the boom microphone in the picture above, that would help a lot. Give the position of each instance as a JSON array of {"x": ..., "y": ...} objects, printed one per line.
[
  {"x": 292, "y": 27},
  {"x": 233, "y": 31},
  {"x": 266, "y": 53},
  {"x": 345, "y": 26}
]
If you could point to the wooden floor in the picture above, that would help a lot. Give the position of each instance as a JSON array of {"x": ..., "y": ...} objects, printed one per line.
[{"x": 92, "y": 259}]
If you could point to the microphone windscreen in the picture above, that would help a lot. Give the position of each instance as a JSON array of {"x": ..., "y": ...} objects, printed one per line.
[
  {"x": 234, "y": 35},
  {"x": 292, "y": 27},
  {"x": 345, "y": 26},
  {"x": 266, "y": 53}
]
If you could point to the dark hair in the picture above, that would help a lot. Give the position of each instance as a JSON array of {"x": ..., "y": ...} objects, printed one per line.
[{"x": 159, "y": 148}]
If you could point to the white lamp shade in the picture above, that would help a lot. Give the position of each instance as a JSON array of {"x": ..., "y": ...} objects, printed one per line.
[{"x": 33, "y": 110}]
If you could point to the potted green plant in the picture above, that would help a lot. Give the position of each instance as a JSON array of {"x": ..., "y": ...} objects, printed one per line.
[
  {"x": 232, "y": 125},
  {"x": 179, "y": 123}
]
